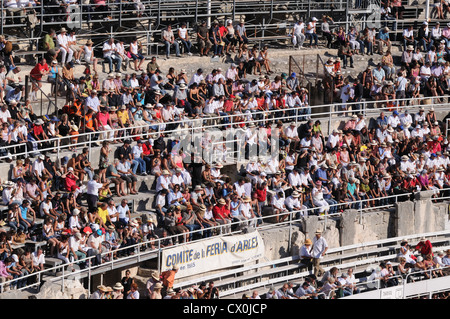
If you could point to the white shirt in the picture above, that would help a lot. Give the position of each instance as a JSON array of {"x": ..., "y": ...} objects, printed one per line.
[
  {"x": 298, "y": 28},
  {"x": 333, "y": 140},
  {"x": 278, "y": 202},
  {"x": 162, "y": 182},
  {"x": 45, "y": 208},
  {"x": 123, "y": 211},
  {"x": 318, "y": 246},
  {"x": 196, "y": 78},
  {"x": 38, "y": 260},
  {"x": 294, "y": 179},
  {"x": 292, "y": 203},
  {"x": 408, "y": 33},
  {"x": 291, "y": 132},
  {"x": 38, "y": 167},
  {"x": 62, "y": 40},
  {"x": 137, "y": 151},
  {"x": 112, "y": 211},
  {"x": 107, "y": 46},
  {"x": 393, "y": 121},
  {"x": 245, "y": 209},
  {"x": 177, "y": 180},
  {"x": 93, "y": 187}
]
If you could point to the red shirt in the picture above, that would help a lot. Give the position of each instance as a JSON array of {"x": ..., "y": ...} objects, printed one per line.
[
  {"x": 425, "y": 248},
  {"x": 36, "y": 71},
  {"x": 38, "y": 130},
  {"x": 147, "y": 149},
  {"x": 220, "y": 212},
  {"x": 70, "y": 182},
  {"x": 261, "y": 194}
]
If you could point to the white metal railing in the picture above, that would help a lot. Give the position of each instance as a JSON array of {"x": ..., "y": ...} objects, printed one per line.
[
  {"x": 140, "y": 254},
  {"x": 335, "y": 256},
  {"x": 196, "y": 126}
]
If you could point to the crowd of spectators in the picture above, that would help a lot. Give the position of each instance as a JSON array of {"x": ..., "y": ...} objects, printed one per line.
[
  {"x": 84, "y": 205},
  {"x": 334, "y": 284}
]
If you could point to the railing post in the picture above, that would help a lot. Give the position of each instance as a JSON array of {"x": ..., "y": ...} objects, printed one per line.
[
  {"x": 26, "y": 76},
  {"x": 90, "y": 140},
  {"x": 62, "y": 279},
  {"x": 59, "y": 146}
]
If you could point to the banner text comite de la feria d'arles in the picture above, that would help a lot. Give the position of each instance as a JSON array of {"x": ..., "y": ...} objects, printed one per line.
[{"x": 212, "y": 254}]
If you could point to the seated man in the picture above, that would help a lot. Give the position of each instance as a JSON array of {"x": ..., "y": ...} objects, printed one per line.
[
  {"x": 110, "y": 56},
  {"x": 169, "y": 40}
]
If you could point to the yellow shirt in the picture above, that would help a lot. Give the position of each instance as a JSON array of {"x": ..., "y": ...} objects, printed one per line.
[
  {"x": 102, "y": 213},
  {"x": 123, "y": 116}
]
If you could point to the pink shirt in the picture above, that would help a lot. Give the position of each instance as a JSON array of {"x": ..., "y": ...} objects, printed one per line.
[{"x": 103, "y": 118}]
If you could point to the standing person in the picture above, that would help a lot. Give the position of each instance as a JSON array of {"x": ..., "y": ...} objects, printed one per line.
[
  {"x": 126, "y": 282},
  {"x": 134, "y": 292},
  {"x": 93, "y": 186},
  {"x": 211, "y": 292},
  {"x": 168, "y": 279},
  {"x": 319, "y": 248},
  {"x": 204, "y": 43}
]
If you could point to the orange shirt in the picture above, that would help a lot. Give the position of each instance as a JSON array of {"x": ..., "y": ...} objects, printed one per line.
[{"x": 168, "y": 278}]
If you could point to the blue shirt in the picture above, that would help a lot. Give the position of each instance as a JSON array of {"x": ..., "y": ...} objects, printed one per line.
[
  {"x": 23, "y": 212},
  {"x": 351, "y": 188},
  {"x": 383, "y": 35},
  {"x": 321, "y": 173}
]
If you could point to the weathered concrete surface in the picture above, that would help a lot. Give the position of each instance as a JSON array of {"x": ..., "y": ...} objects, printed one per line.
[
  {"x": 421, "y": 216},
  {"x": 359, "y": 228}
]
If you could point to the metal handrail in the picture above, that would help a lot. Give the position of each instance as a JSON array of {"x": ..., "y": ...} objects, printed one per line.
[
  {"x": 140, "y": 255},
  {"x": 197, "y": 124}
]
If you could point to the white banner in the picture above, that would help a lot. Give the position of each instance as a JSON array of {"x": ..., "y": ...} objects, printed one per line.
[{"x": 212, "y": 254}]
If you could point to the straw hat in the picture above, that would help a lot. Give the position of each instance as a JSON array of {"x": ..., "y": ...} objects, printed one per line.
[
  {"x": 9, "y": 184},
  {"x": 295, "y": 194},
  {"x": 101, "y": 288},
  {"x": 118, "y": 286},
  {"x": 308, "y": 242},
  {"x": 155, "y": 275},
  {"x": 222, "y": 201}
]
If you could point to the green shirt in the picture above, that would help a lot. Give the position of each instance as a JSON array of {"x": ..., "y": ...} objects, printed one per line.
[{"x": 48, "y": 42}]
